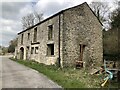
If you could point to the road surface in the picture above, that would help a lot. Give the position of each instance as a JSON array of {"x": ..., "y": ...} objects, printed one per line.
[{"x": 15, "y": 75}]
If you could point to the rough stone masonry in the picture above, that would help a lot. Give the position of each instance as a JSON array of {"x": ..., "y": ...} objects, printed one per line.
[{"x": 73, "y": 34}]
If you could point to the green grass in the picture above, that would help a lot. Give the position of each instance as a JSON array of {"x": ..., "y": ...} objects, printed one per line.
[{"x": 67, "y": 77}]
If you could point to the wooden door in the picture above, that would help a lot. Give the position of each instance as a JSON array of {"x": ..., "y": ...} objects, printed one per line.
[{"x": 82, "y": 47}]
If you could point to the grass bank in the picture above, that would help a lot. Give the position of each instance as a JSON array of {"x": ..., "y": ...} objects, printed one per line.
[{"x": 67, "y": 78}]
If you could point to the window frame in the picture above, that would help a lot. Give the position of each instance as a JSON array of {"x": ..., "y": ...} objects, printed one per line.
[
  {"x": 22, "y": 36},
  {"x": 50, "y": 50},
  {"x": 28, "y": 36},
  {"x": 36, "y": 48},
  {"x": 50, "y": 32},
  {"x": 32, "y": 50},
  {"x": 35, "y": 35}
]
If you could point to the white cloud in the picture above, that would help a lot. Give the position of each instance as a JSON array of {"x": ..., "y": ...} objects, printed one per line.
[
  {"x": 13, "y": 12},
  {"x": 50, "y": 7},
  {"x": 10, "y": 21},
  {"x": 8, "y": 25},
  {"x": 25, "y": 10},
  {"x": 6, "y": 22},
  {"x": 16, "y": 0},
  {"x": 9, "y": 29}
]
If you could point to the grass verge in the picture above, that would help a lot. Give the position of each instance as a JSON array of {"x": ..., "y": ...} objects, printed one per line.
[{"x": 67, "y": 78}]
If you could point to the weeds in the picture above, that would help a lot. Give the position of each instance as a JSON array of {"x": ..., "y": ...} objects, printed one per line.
[{"x": 66, "y": 77}]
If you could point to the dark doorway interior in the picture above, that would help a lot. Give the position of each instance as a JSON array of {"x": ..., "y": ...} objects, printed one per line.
[
  {"x": 50, "y": 49},
  {"x": 21, "y": 53},
  {"x": 79, "y": 63},
  {"x": 82, "y": 48}
]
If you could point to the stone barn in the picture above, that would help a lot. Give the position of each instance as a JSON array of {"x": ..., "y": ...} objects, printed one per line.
[{"x": 71, "y": 35}]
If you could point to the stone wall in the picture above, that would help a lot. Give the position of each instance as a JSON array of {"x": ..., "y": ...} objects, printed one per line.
[
  {"x": 78, "y": 25},
  {"x": 42, "y": 38},
  {"x": 82, "y": 27}
]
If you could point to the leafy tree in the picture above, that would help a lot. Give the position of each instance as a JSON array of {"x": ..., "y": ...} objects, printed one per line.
[
  {"x": 115, "y": 19},
  {"x": 12, "y": 45},
  {"x": 11, "y": 49},
  {"x": 4, "y": 50}
]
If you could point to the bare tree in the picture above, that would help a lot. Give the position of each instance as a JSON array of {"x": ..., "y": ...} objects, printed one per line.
[
  {"x": 101, "y": 9},
  {"x": 28, "y": 20},
  {"x": 38, "y": 16},
  {"x": 31, "y": 19}
]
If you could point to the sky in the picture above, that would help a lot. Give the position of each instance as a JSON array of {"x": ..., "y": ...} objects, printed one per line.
[{"x": 11, "y": 12}]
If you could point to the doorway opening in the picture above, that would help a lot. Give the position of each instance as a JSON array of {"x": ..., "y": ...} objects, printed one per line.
[
  {"x": 82, "y": 48},
  {"x": 21, "y": 53},
  {"x": 79, "y": 63}
]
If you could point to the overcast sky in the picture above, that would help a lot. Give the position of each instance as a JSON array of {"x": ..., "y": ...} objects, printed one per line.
[{"x": 11, "y": 12}]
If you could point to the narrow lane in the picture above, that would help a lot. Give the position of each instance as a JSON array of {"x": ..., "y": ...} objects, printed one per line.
[{"x": 15, "y": 75}]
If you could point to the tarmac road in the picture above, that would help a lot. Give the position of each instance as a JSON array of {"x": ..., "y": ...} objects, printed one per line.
[{"x": 15, "y": 75}]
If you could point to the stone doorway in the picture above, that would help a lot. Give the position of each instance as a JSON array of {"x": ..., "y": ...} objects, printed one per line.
[
  {"x": 79, "y": 63},
  {"x": 82, "y": 48},
  {"x": 21, "y": 53}
]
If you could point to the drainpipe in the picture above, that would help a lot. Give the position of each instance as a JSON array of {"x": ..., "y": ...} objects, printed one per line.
[{"x": 59, "y": 59}]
